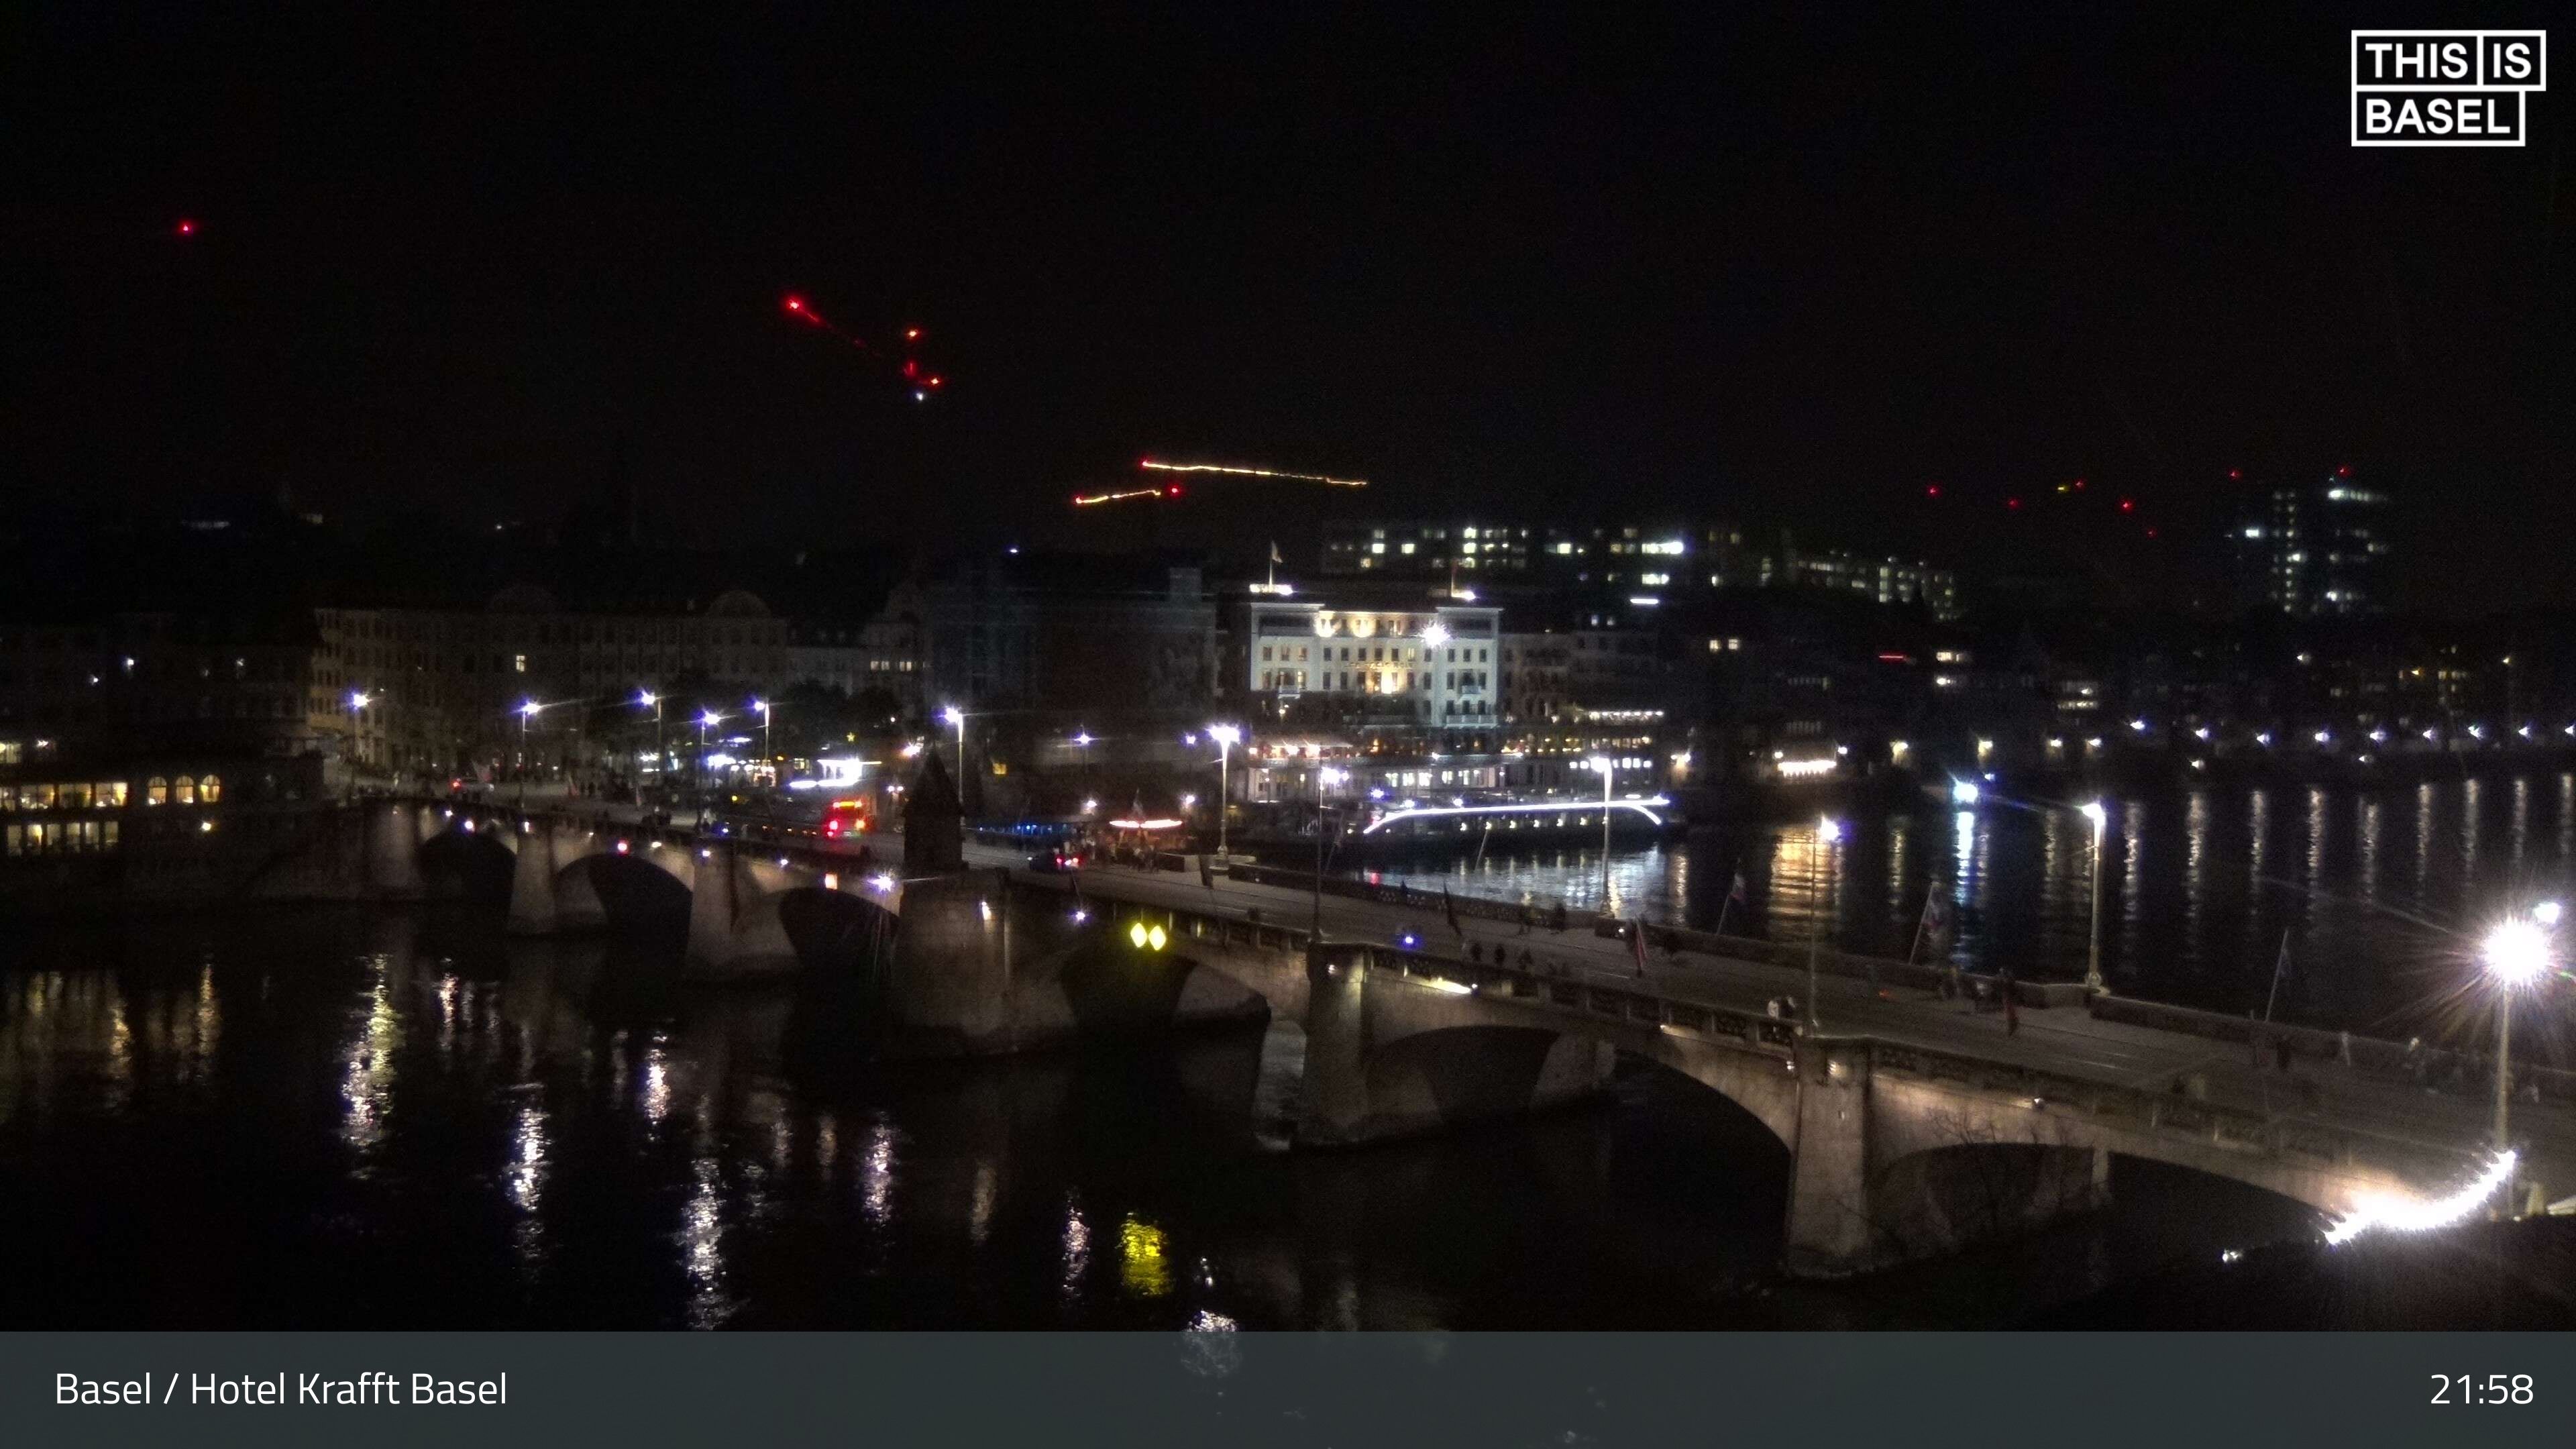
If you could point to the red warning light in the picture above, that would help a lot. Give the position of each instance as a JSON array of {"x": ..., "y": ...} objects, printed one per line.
[
  {"x": 2128, "y": 505},
  {"x": 1174, "y": 491},
  {"x": 2079, "y": 485},
  {"x": 2344, "y": 472},
  {"x": 2012, "y": 503},
  {"x": 912, "y": 334},
  {"x": 1931, "y": 490},
  {"x": 2151, "y": 532},
  {"x": 795, "y": 304},
  {"x": 187, "y": 226},
  {"x": 934, "y": 382},
  {"x": 2236, "y": 473}
]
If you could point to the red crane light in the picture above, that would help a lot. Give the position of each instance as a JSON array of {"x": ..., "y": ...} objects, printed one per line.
[
  {"x": 912, "y": 334},
  {"x": 2012, "y": 503},
  {"x": 1931, "y": 490},
  {"x": 2128, "y": 505},
  {"x": 934, "y": 382},
  {"x": 2079, "y": 485},
  {"x": 795, "y": 304},
  {"x": 187, "y": 226},
  {"x": 2236, "y": 473},
  {"x": 2344, "y": 472}
]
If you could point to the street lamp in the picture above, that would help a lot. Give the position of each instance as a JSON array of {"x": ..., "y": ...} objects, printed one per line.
[
  {"x": 707, "y": 719},
  {"x": 766, "y": 757},
  {"x": 1829, "y": 831},
  {"x": 956, "y": 719},
  {"x": 1226, "y": 737},
  {"x": 1602, "y": 764},
  {"x": 647, "y": 698},
  {"x": 358, "y": 699},
  {"x": 2094, "y": 812},
  {"x": 2517, "y": 954},
  {"x": 1328, "y": 776},
  {"x": 527, "y": 711}
]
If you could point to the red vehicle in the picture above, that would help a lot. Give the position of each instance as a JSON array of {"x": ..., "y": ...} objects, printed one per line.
[
  {"x": 1056, "y": 860},
  {"x": 845, "y": 819}
]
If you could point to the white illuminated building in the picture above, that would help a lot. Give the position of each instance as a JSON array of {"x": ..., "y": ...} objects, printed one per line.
[{"x": 1434, "y": 665}]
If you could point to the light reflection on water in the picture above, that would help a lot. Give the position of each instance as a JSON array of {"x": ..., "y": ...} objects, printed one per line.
[
  {"x": 2200, "y": 886},
  {"x": 410, "y": 1120}
]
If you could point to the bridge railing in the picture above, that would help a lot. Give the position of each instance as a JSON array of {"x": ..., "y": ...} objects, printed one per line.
[
  {"x": 2436, "y": 1069},
  {"x": 2048, "y": 1093}
]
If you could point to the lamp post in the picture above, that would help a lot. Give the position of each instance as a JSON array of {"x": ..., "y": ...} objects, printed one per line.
[
  {"x": 1828, "y": 831},
  {"x": 2094, "y": 812},
  {"x": 707, "y": 719},
  {"x": 956, "y": 718},
  {"x": 358, "y": 700},
  {"x": 1226, "y": 736},
  {"x": 2516, "y": 954},
  {"x": 1601, "y": 764},
  {"x": 648, "y": 698},
  {"x": 1329, "y": 775},
  {"x": 766, "y": 757},
  {"x": 527, "y": 711}
]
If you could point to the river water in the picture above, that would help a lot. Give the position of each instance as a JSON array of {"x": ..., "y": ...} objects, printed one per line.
[
  {"x": 2372, "y": 890},
  {"x": 350, "y": 1118}
]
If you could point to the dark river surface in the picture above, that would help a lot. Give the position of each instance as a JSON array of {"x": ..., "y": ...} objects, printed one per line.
[
  {"x": 2200, "y": 888},
  {"x": 356, "y": 1117}
]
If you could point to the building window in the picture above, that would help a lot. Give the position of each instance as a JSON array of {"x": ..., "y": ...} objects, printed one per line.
[
  {"x": 210, "y": 789},
  {"x": 519, "y": 663},
  {"x": 184, "y": 792},
  {"x": 157, "y": 792}
]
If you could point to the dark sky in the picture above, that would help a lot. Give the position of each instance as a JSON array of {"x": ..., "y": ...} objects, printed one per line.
[{"x": 1789, "y": 264}]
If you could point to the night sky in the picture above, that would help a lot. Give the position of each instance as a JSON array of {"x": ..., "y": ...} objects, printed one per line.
[{"x": 1790, "y": 269}]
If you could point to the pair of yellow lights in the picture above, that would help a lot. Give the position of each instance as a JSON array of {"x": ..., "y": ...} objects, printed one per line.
[{"x": 1148, "y": 938}]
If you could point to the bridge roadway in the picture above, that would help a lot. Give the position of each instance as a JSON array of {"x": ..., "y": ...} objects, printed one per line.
[{"x": 2068, "y": 1042}]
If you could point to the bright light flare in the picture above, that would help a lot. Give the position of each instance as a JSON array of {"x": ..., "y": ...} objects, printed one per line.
[
  {"x": 2396, "y": 1216},
  {"x": 1829, "y": 830},
  {"x": 2516, "y": 953},
  {"x": 1253, "y": 473},
  {"x": 1963, "y": 792}
]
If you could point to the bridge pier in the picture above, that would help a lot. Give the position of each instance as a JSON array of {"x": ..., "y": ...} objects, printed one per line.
[
  {"x": 734, "y": 928},
  {"x": 1392, "y": 1055},
  {"x": 393, "y": 850},
  {"x": 1883, "y": 1173},
  {"x": 532, "y": 881}
]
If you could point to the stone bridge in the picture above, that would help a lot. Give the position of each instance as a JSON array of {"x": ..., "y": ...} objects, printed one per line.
[
  {"x": 1896, "y": 1150},
  {"x": 565, "y": 869}
]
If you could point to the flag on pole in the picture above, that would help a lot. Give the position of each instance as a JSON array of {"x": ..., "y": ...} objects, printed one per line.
[{"x": 1274, "y": 552}]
